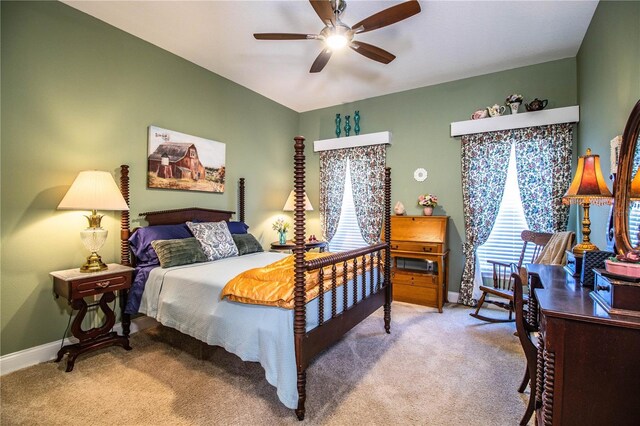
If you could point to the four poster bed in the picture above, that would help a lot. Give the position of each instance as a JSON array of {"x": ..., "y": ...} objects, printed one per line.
[{"x": 349, "y": 286}]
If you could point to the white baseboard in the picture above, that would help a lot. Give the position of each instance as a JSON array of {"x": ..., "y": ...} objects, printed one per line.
[
  {"x": 453, "y": 297},
  {"x": 47, "y": 352}
]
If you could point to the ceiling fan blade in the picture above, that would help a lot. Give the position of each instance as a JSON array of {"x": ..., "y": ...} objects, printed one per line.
[
  {"x": 324, "y": 10},
  {"x": 321, "y": 61},
  {"x": 283, "y": 36},
  {"x": 388, "y": 16},
  {"x": 372, "y": 52}
]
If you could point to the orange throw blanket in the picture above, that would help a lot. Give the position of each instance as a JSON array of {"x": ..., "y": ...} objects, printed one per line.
[{"x": 274, "y": 284}]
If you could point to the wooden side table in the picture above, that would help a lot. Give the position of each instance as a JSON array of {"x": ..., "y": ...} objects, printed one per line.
[
  {"x": 74, "y": 286},
  {"x": 308, "y": 245}
]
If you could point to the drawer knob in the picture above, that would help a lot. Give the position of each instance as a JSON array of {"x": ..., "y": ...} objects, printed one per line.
[
  {"x": 603, "y": 288},
  {"x": 427, "y": 248},
  {"x": 103, "y": 284}
]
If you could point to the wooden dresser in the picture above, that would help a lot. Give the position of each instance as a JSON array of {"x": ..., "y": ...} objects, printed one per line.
[
  {"x": 588, "y": 370},
  {"x": 419, "y": 254}
]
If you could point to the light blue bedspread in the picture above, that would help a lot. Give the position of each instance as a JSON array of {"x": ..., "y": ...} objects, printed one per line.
[{"x": 187, "y": 298}]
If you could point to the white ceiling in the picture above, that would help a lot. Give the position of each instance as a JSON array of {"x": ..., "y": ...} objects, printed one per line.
[{"x": 448, "y": 40}]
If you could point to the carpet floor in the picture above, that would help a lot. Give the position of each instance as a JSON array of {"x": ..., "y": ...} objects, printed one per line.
[{"x": 433, "y": 369}]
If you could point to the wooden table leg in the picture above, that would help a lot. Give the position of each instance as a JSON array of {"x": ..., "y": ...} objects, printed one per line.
[{"x": 94, "y": 338}]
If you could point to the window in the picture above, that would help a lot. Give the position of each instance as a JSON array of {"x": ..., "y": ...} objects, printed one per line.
[
  {"x": 634, "y": 223},
  {"x": 347, "y": 236},
  {"x": 504, "y": 243}
]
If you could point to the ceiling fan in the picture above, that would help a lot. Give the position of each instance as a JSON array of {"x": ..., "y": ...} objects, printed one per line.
[{"x": 337, "y": 35}]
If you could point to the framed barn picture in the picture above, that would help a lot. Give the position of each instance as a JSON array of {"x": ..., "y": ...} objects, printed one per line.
[{"x": 184, "y": 162}]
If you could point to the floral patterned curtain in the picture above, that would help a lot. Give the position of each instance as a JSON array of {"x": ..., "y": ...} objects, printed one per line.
[
  {"x": 333, "y": 169},
  {"x": 485, "y": 158},
  {"x": 543, "y": 162},
  {"x": 366, "y": 164}
]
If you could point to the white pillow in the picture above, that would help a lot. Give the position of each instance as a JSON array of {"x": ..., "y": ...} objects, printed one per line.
[{"x": 215, "y": 239}]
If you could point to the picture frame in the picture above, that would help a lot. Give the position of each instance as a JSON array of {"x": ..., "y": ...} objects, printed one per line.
[{"x": 184, "y": 162}]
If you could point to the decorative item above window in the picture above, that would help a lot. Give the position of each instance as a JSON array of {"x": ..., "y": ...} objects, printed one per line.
[
  {"x": 380, "y": 138},
  {"x": 516, "y": 121}
]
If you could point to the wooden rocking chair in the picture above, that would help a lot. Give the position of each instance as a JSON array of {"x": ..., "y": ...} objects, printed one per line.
[{"x": 502, "y": 279}]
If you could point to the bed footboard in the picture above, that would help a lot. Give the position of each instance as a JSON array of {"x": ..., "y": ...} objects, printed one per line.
[{"x": 370, "y": 283}]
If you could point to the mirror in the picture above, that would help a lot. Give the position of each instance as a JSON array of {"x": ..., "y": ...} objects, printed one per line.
[{"x": 628, "y": 165}]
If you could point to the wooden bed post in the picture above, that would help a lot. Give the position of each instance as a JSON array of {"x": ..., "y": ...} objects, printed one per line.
[
  {"x": 241, "y": 207},
  {"x": 124, "y": 217},
  {"x": 387, "y": 254},
  {"x": 124, "y": 245},
  {"x": 300, "y": 318}
]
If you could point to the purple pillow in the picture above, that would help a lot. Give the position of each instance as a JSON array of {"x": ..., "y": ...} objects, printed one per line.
[
  {"x": 140, "y": 241},
  {"x": 237, "y": 227}
]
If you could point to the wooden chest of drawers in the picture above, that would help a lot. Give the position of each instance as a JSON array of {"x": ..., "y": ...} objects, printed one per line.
[{"x": 420, "y": 259}]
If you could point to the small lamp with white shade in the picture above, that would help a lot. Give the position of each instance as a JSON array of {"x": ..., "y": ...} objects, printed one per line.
[{"x": 93, "y": 190}]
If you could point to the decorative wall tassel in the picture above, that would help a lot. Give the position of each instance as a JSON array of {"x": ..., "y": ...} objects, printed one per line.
[
  {"x": 347, "y": 125},
  {"x": 338, "y": 130},
  {"x": 356, "y": 118}
]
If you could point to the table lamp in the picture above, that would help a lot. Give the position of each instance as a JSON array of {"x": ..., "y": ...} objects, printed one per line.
[
  {"x": 588, "y": 187},
  {"x": 93, "y": 190},
  {"x": 290, "y": 205}
]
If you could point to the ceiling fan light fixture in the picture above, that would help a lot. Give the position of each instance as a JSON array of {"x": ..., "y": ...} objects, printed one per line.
[{"x": 336, "y": 41}]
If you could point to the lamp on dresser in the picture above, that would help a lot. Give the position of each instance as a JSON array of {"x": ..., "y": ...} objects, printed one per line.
[
  {"x": 588, "y": 186},
  {"x": 93, "y": 190}
]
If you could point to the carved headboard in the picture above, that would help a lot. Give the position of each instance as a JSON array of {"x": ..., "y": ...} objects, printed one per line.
[{"x": 168, "y": 217}]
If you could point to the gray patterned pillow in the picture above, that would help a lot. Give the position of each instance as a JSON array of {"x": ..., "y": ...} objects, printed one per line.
[
  {"x": 215, "y": 239},
  {"x": 178, "y": 252}
]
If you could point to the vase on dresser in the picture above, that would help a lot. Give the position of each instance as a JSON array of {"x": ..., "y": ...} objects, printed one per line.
[
  {"x": 514, "y": 107},
  {"x": 427, "y": 211}
]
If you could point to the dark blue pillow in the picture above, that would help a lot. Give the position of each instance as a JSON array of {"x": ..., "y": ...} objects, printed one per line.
[
  {"x": 140, "y": 241},
  {"x": 237, "y": 227}
]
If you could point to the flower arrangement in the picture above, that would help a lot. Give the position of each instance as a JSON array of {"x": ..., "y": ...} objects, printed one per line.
[
  {"x": 280, "y": 225},
  {"x": 427, "y": 200},
  {"x": 514, "y": 98}
]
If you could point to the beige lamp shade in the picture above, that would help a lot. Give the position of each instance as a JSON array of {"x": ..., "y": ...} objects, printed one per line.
[
  {"x": 290, "y": 205},
  {"x": 588, "y": 183},
  {"x": 93, "y": 190}
]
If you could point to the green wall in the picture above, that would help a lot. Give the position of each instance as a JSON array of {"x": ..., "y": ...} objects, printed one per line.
[
  {"x": 79, "y": 94},
  {"x": 419, "y": 122},
  {"x": 608, "y": 86}
]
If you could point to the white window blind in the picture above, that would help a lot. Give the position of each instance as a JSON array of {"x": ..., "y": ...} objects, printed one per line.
[
  {"x": 347, "y": 236},
  {"x": 634, "y": 223},
  {"x": 504, "y": 243}
]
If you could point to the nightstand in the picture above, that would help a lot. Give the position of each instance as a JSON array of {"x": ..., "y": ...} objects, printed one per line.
[
  {"x": 74, "y": 286},
  {"x": 290, "y": 245}
]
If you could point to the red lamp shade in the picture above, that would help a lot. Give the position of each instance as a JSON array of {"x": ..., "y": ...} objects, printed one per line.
[
  {"x": 588, "y": 184},
  {"x": 634, "y": 193}
]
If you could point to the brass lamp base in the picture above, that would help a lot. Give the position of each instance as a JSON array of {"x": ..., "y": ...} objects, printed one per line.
[
  {"x": 94, "y": 263},
  {"x": 579, "y": 249}
]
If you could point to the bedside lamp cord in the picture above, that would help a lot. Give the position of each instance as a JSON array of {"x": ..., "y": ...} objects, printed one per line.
[{"x": 66, "y": 330}]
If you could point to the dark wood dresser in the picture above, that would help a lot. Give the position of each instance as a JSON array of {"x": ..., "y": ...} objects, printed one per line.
[
  {"x": 419, "y": 255},
  {"x": 588, "y": 370}
]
